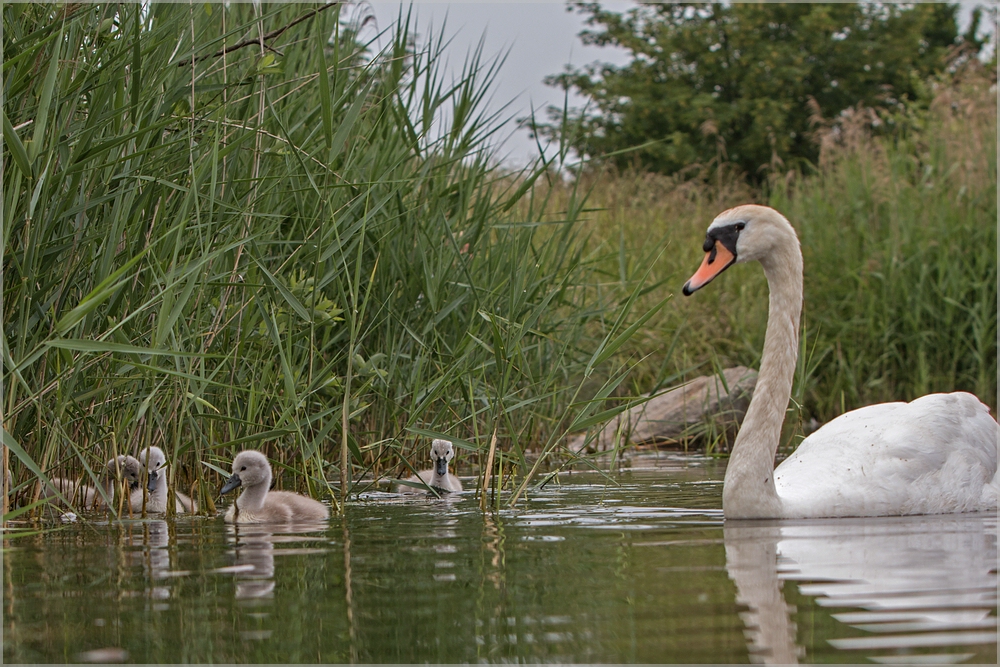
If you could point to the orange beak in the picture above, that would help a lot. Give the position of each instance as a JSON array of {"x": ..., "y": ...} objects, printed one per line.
[{"x": 717, "y": 260}]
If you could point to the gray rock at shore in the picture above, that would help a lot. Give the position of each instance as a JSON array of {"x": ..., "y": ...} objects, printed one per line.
[{"x": 680, "y": 413}]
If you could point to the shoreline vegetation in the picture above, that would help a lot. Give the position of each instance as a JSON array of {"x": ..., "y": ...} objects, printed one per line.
[
  {"x": 286, "y": 247},
  {"x": 899, "y": 241}
]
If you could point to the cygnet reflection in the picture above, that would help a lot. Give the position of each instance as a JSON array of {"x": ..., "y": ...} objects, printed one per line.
[
  {"x": 256, "y": 545},
  {"x": 158, "y": 563},
  {"x": 152, "y": 539},
  {"x": 906, "y": 584},
  {"x": 254, "y": 560}
]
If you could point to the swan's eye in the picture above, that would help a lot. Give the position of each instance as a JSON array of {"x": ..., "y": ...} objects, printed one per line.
[
  {"x": 740, "y": 226},
  {"x": 243, "y": 468}
]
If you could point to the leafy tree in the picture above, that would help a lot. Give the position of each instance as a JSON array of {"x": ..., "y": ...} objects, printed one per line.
[{"x": 743, "y": 83}]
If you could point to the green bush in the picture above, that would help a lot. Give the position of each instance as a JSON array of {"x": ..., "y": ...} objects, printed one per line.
[{"x": 741, "y": 84}]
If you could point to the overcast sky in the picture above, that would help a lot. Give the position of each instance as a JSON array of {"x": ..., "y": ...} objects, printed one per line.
[{"x": 542, "y": 37}]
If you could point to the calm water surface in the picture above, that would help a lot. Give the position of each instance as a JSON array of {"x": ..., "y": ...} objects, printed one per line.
[{"x": 583, "y": 571}]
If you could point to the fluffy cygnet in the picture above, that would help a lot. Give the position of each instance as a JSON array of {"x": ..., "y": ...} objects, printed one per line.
[
  {"x": 438, "y": 477},
  {"x": 155, "y": 462},
  {"x": 78, "y": 494},
  {"x": 84, "y": 496},
  {"x": 256, "y": 504},
  {"x": 125, "y": 468}
]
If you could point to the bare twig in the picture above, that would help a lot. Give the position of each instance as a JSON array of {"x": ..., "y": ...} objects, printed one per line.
[
  {"x": 488, "y": 470},
  {"x": 276, "y": 138},
  {"x": 260, "y": 40}
]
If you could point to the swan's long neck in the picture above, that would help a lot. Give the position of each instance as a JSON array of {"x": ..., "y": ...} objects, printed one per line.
[
  {"x": 159, "y": 496},
  {"x": 252, "y": 498},
  {"x": 749, "y": 490}
]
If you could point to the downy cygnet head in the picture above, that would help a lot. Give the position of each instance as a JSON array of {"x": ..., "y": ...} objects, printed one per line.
[
  {"x": 250, "y": 468},
  {"x": 155, "y": 462},
  {"x": 441, "y": 453},
  {"x": 128, "y": 468}
]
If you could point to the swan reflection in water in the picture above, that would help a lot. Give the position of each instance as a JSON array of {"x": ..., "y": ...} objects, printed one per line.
[
  {"x": 908, "y": 587},
  {"x": 254, "y": 549},
  {"x": 254, "y": 568},
  {"x": 150, "y": 540}
]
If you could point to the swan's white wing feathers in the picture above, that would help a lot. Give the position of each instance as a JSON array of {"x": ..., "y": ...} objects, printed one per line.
[{"x": 936, "y": 454}]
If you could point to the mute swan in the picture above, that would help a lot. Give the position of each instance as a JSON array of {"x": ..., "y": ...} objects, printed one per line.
[
  {"x": 252, "y": 471},
  {"x": 934, "y": 455},
  {"x": 154, "y": 460},
  {"x": 438, "y": 477}
]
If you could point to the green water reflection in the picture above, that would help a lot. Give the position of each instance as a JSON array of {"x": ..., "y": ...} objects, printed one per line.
[{"x": 581, "y": 572}]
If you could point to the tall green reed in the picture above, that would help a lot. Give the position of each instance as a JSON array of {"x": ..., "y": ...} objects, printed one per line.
[{"x": 220, "y": 234}]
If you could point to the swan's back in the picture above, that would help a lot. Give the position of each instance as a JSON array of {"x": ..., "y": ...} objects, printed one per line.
[
  {"x": 185, "y": 503},
  {"x": 934, "y": 455},
  {"x": 85, "y": 496},
  {"x": 446, "y": 482},
  {"x": 123, "y": 468},
  {"x": 280, "y": 507},
  {"x": 298, "y": 507},
  {"x": 156, "y": 502},
  {"x": 79, "y": 494}
]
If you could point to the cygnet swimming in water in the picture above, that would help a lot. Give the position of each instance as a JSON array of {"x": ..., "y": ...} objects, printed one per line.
[
  {"x": 257, "y": 504},
  {"x": 125, "y": 468},
  {"x": 438, "y": 477},
  {"x": 75, "y": 492},
  {"x": 154, "y": 460},
  {"x": 121, "y": 468}
]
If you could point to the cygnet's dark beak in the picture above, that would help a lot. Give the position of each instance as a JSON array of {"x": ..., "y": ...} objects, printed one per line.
[
  {"x": 154, "y": 477},
  {"x": 442, "y": 466},
  {"x": 231, "y": 484}
]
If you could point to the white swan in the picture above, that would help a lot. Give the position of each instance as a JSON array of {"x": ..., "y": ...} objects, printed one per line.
[
  {"x": 252, "y": 471},
  {"x": 438, "y": 477},
  {"x": 935, "y": 455},
  {"x": 154, "y": 461}
]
